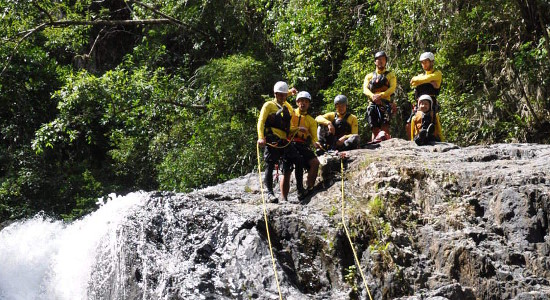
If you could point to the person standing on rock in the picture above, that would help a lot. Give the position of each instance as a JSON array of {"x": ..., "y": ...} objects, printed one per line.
[
  {"x": 273, "y": 128},
  {"x": 425, "y": 125},
  {"x": 303, "y": 130},
  {"x": 428, "y": 83},
  {"x": 338, "y": 130},
  {"x": 379, "y": 86}
]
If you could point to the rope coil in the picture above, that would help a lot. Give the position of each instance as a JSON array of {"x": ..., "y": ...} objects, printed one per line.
[{"x": 274, "y": 145}]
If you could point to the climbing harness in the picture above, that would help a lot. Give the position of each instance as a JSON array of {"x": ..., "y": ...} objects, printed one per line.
[
  {"x": 347, "y": 232},
  {"x": 299, "y": 138},
  {"x": 377, "y": 115},
  {"x": 266, "y": 224},
  {"x": 274, "y": 145}
]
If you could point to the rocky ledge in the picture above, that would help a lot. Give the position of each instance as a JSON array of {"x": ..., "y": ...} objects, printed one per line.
[{"x": 432, "y": 222}]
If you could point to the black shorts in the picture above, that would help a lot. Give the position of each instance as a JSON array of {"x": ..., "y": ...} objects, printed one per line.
[
  {"x": 305, "y": 152},
  {"x": 378, "y": 115},
  {"x": 281, "y": 152}
]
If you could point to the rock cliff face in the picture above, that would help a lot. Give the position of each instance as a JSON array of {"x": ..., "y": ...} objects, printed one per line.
[{"x": 433, "y": 222}]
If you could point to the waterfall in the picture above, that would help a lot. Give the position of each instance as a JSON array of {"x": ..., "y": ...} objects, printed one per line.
[
  {"x": 157, "y": 245},
  {"x": 41, "y": 258}
]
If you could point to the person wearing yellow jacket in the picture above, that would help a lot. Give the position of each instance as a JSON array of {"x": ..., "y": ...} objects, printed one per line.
[
  {"x": 273, "y": 127},
  {"x": 428, "y": 83},
  {"x": 303, "y": 136},
  {"x": 379, "y": 86},
  {"x": 425, "y": 125},
  {"x": 338, "y": 130}
]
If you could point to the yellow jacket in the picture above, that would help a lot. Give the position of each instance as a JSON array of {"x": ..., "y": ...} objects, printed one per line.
[
  {"x": 385, "y": 94},
  {"x": 268, "y": 108},
  {"x": 329, "y": 118},
  {"x": 416, "y": 125},
  {"x": 301, "y": 120},
  {"x": 428, "y": 77}
]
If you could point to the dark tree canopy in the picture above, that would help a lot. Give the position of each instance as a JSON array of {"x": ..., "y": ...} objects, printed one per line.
[{"x": 112, "y": 96}]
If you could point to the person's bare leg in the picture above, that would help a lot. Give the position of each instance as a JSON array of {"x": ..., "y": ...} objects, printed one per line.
[
  {"x": 312, "y": 172},
  {"x": 375, "y": 132},
  {"x": 386, "y": 129},
  {"x": 284, "y": 184}
]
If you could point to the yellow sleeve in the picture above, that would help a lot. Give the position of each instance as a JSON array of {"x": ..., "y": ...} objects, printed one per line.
[
  {"x": 413, "y": 128},
  {"x": 290, "y": 109},
  {"x": 366, "y": 90},
  {"x": 393, "y": 85},
  {"x": 325, "y": 119},
  {"x": 261, "y": 120},
  {"x": 313, "y": 129},
  {"x": 436, "y": 76},
  {"x": 293, "y": 124},
  {"x": 294, "y": 120},
  {"x": 354, "y": 124}
]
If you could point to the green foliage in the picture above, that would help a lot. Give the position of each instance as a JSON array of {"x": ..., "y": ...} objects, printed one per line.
[
  {"x": 376, "y": 207},
  {"x": 113, "y": 119},
  {"x": 350, "y": 277},
  {"x": 312, "y": 36},
  {"x": 87, "y": 110},
  {"x": 333, "y": 211},
  {"x": 100, "y": 137},
  {"x": 231, "y": 89},
  {"x": 85, "y": 194}
]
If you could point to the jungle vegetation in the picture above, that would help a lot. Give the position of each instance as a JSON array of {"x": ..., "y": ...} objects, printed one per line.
[{"x": 111, "y": 96}]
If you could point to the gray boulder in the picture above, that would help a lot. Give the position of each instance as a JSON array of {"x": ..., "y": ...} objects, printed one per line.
[{"x": 432, "y": 222}]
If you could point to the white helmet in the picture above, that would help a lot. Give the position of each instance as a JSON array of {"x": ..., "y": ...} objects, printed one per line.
[
  {"x": 427, "y": 55},
  {"x": 303, "y": 94},
  {"x": 280, "y": 87},
  {"x": 425, "y": 97}
]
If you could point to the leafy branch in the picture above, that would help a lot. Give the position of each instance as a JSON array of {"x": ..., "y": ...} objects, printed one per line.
[{"x": 112, "y": 23}]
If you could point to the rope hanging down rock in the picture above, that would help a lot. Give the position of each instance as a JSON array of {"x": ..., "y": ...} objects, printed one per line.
[
  {"x": 266, "y": 224},
  {"x": 347, "y": 232},
  {"x": 343, "y": 223}
]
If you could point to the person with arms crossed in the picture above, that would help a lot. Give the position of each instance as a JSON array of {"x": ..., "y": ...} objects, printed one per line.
[{"x": 379, "y": 86}]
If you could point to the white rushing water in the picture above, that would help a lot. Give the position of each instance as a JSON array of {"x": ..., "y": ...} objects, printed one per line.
[{"x": 46, "y": 259}]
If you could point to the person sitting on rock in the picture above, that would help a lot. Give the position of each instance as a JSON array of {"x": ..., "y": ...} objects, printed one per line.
[
  {"x": 425, "y": 125},
  {"x": 338, "y": 130},
  {"x": 303, "y": 135},
  {"x": 428, "y": 83}
]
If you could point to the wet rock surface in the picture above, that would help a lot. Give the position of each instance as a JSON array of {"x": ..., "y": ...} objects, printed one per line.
[{"x": 433, "y": 222}]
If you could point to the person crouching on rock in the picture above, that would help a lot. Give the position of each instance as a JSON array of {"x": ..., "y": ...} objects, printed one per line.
[
  {"x": 338, "y": 130},
  {"x": 273, "y": 128},
  {"x": 425, "y": 125},
  {"x": 303, "y": 130},
  {"x": 428, "y": 83}
]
